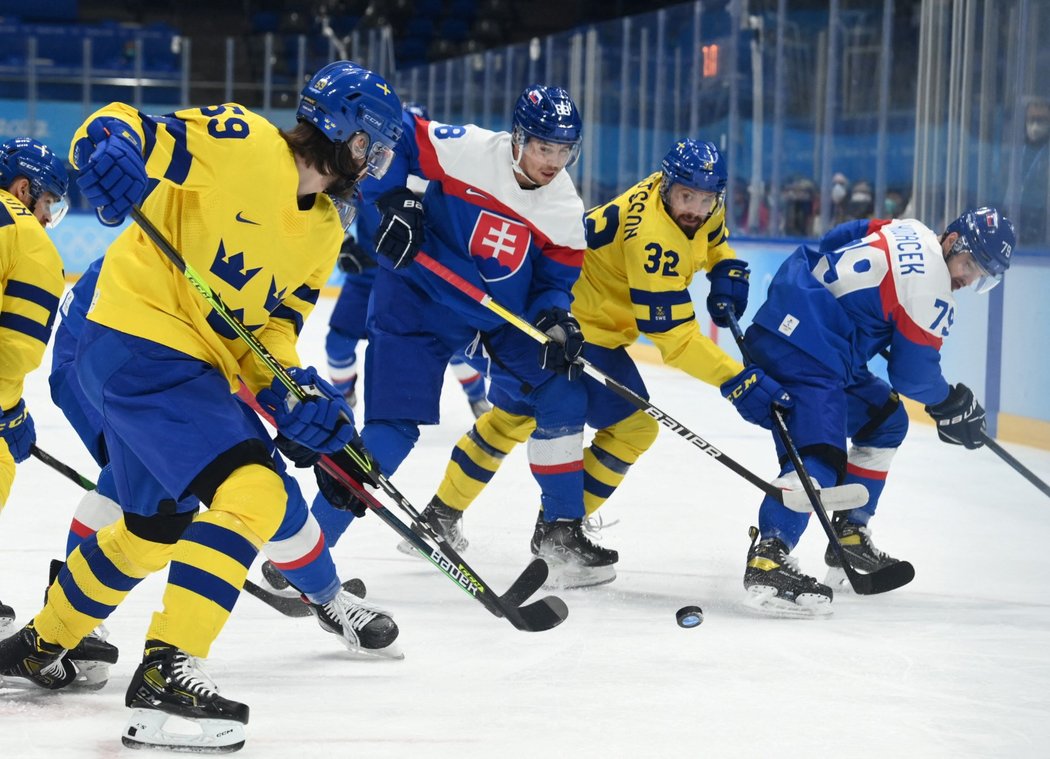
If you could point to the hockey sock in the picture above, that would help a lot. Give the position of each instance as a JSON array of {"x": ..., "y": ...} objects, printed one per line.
[
  {"x": 211, "y": 560},
  {"x": 96, "y": 509},
  {"x": 556, "y": 460},
  {"x": 470, "y": 379},
  {"x": 342, "y": 360},
  {"x": 479, "y": 453},
  {"x": 96, "y": 578},
  {"x": 303, "y": 558},
  {"x": 611, "y": 453},
  {"x": 869, "y": 467}
]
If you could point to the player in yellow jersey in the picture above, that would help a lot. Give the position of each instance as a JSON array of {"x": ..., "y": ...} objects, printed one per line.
[
  {"x": 33, "y": 185},
  {"x": 256, "y": 211},
  {"x": 643, "y": 249}
]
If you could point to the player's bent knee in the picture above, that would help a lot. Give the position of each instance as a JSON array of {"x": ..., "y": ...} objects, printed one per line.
[
  {"x": 251, "y": 451},
  {"x": 629, "y": 438},
  {"x": 255, "y": 496},
  {"x": 504, "y": 430}
]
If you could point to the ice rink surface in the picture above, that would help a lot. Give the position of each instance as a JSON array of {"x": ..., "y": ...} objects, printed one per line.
[{"x": 956, "y": 664}]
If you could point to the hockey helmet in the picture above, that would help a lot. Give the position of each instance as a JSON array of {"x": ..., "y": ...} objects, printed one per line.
[
  {"x": 548, "y": 113},
  {"x": 694, "y": 164},
  {"x": 989, "y": 237},
  {"x": 46, "y": 172}
]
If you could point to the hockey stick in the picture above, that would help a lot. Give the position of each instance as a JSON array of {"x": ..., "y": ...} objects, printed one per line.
[
  {"x": 1002, "y": 453},
  {"x": 836, "y": 498},
  {"x": 249, "y": 586},
  {"x": 540, "y": 615},
  {"x": 879, "y": 581},
  {"x": 63, "y": 469},
  {"x": 1018, "y": 467}
]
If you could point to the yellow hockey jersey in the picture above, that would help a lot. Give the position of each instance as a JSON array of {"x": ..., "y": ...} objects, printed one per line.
[
  {"x": 635, "y": 280},
  {"x": 33, "y": 280},
  {"x": 226, "y": 198}
]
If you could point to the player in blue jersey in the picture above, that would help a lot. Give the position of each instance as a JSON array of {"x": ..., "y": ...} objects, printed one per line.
[
  {"x": 33, "y": 185},
  {"x": 257, "y": 212},
  {"x": 868, "y": 287},
  {"x": 357, "y": 261},
  {"x": 502, "y": 212}
]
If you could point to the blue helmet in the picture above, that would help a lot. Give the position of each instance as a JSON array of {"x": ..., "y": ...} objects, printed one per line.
[
  {"x": 416, "y": 109},
  {"x": 548, "y": 113},
  {"x": 46, "y": 172},
  {"x": 989, "y": 236},
  {"x": 697, "y": 165},
  {"x": 343, "y": 99}
]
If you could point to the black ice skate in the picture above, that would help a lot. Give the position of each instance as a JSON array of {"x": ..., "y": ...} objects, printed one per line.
[
  {"x": 364, "y": 629},
  {"x": 575, "y": 562},
  {"x": 7, "y": 617},
  {"x": 169, "y": 682},
  {"x": 861, "y": 552},
  {"x": 27, "y": 655},
  {"x": 93, "y": 657},
  {"x": 276, "y": 592},
  {"x": 775, "y": 585},
  {"x": 445, "y": 521}
]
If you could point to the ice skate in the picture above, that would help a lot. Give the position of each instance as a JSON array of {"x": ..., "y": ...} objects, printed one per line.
[
  {"x": 445, "y": 521},
  {"x": 169, "y": 683},
  {"x": 776, "y": 587},
  {"x": 365, "y": 630},
  {"x": 275, "y": 591},
  {"x": 861, "y": 552},
  {"x": 575, "y": 562},
  {"x": 93, "y": 657},
  {"x": 26, "y": 655},
  {"x": 7, "y": 618}
]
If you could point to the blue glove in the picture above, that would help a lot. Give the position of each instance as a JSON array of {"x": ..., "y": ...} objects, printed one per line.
[
  {"x": 17, "y": 430},
  {"x": 755, "y": 395},
  {"x": 322, "y": 421},
  {"x": 114, "y": 178},
  {"x": 399, "y": 235},
  {"x": 559, "y": 354},
  {"x": 729, "y": 286}
]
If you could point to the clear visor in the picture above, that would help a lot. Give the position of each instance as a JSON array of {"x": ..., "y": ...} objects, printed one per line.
[
  {"x": 380, "y": 157},
  {"x": 561, "y": 153},
  {"x": 975, "y": 275},
  {"x": 346, "y": 209},
  {"x": 50, "y": 209}
]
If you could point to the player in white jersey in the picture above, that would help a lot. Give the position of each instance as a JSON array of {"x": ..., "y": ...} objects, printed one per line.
[{"x": 869, "y": 287}]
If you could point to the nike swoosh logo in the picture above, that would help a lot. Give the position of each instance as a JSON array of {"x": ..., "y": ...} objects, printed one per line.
[
  {"x": 243, "y": 220},
  {"x": 469, "y": 191}
]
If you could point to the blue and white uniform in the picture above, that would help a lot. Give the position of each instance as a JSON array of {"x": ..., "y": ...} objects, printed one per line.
[{"x": 868, "y": 287}]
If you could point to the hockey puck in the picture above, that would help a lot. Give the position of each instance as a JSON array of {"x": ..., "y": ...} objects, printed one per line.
[{"x": 690, "y": 616}]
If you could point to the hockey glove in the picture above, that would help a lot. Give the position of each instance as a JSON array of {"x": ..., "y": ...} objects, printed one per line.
[
  {"x": 959, "y": 418},
  {"x": 400, "y": 232},
  {"x": 729, "y": 286},
  {"x": 335, "y": 492},
  {"x": 755, "y": 395},
  {"x": 353, "y": 259},
  {"x": 114, "y": 178},
  {"x": 559, "y": 354},
  {"x": 323, "y": 421},
  {"x": 18, "y": 431}
]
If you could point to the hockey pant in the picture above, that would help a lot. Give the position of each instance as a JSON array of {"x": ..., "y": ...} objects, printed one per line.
[{"x": 828, "y": 409}]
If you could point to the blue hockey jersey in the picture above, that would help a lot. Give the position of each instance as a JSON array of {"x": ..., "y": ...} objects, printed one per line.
[
  {"x": 523, "y": 247},
  {"x": 849, "y": 299}
]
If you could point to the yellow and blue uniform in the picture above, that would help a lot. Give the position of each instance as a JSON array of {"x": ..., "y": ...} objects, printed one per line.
[
  {"x": 161, "y": 366},
  {"x": 32, "y": 280},
  {"x": 636, "y": 273}
]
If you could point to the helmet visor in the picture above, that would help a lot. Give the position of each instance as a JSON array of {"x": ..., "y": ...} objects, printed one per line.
[
  {"x": 380, "y": 157},
  {"x": 979, "y": 279},
  {"x": 346, "y": 209}
]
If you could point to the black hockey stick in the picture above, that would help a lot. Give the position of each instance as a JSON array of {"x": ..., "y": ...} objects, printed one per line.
[
  {"x": 1018, "y": 467},
  {"x": 541, "y": 615},
  {"x": 879, "y": 581},
  {"x": 249, "y": 586},
  {"x": 63, "y": 469},
  {"x": 294, "y": 606},
  {"x": 837, "y": 498}
]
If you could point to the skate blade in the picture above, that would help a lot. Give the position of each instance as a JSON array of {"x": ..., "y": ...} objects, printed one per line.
[
  {"x": 154, "y": 729},
  {"x": 91, "y": 675},
  {"x": 569, "y": 576},
  {"x": 763, "y": 600},
  {"x": 836, "y": 580},
  {"x": 392, "y": 652}
]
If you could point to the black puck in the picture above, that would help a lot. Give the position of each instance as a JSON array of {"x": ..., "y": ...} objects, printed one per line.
[{"x": 690, "y": 616}]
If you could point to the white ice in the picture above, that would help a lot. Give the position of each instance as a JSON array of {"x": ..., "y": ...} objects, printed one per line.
[{"x": 956, "y": 664}]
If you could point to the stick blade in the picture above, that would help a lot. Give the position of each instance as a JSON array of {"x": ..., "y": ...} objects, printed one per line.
[
  {"x": 886, "y": 579},
  {"x": 528, "y": 582},
  {"x": 545, "y": 614},
  {"x": 837, "y": 498}
]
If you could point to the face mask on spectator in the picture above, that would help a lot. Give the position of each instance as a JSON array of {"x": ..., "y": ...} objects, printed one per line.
[{"x": 1037, "y": 129}]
